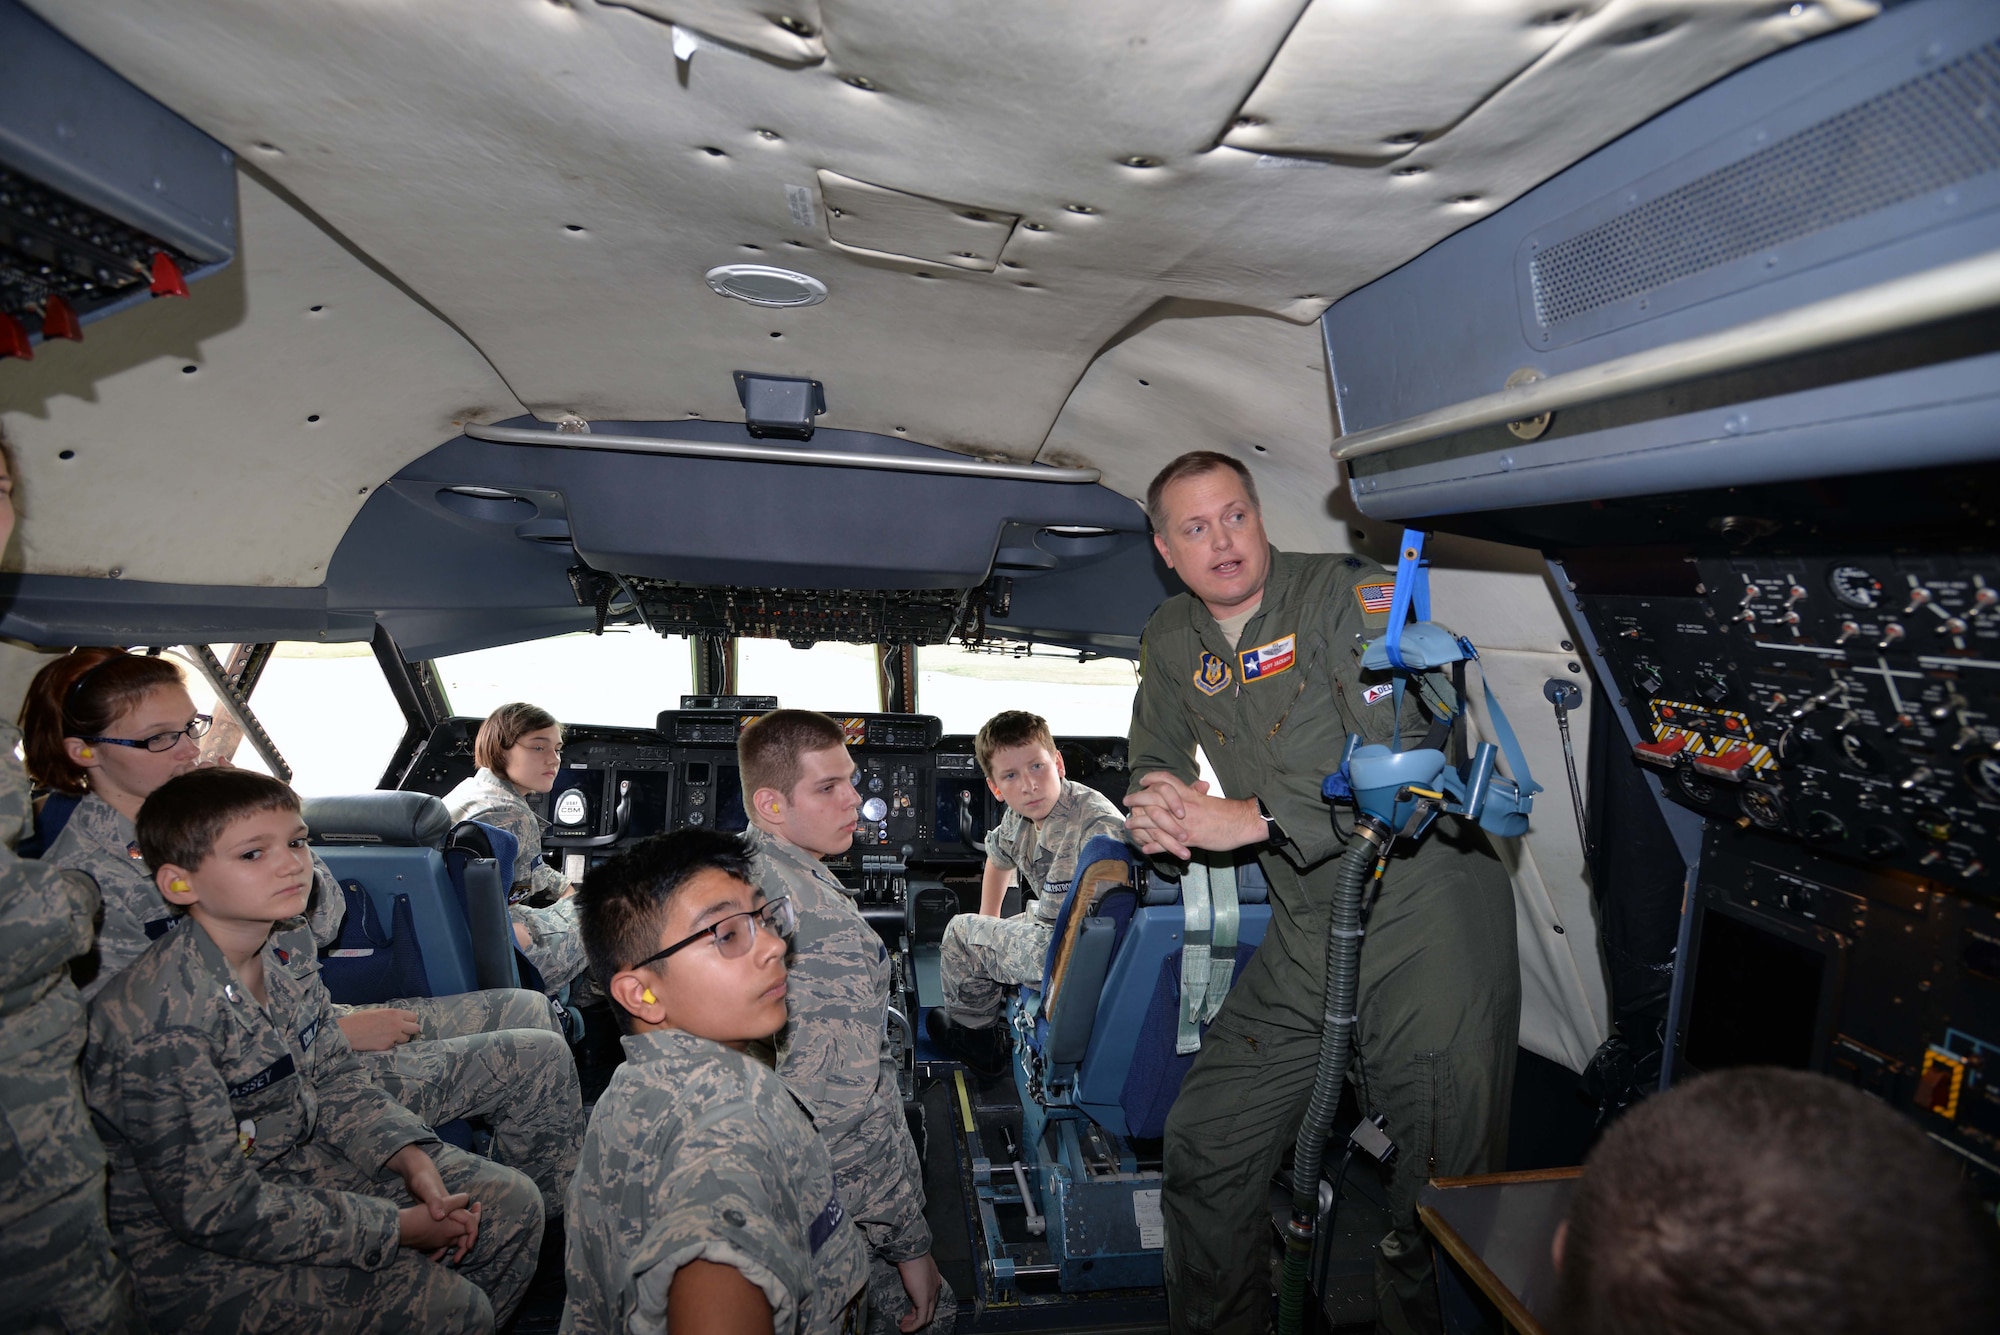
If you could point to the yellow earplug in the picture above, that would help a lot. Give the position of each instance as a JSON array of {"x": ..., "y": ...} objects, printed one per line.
[
  {"x": 648, "y": 997},
  {"x": 87, "y": 753},
  {"x": 178, "y": 887}
]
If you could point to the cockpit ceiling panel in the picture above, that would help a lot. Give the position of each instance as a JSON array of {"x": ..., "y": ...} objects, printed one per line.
[{"x": 555, "y": 180}]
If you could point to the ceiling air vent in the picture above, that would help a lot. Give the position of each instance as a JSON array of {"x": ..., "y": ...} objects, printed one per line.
[
  {"x": 762, "y": 285},
  {"x": 1763, "y": 215}
]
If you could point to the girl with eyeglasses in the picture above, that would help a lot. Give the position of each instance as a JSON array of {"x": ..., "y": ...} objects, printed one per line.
[{"x": 519, "y": 751}]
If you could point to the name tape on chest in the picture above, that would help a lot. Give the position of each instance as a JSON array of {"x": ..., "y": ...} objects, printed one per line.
[
  {"x": 1211, "y": 674},
  {"x": 265, "y": 1078},
  {"x": 1268, "y": 660}
]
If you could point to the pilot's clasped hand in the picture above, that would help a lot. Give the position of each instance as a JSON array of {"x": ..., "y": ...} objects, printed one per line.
[{"x": 1169, "y": 816}]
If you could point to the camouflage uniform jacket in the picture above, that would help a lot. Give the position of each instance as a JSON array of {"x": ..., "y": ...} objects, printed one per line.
[
  {"x": 697, "y": 1152},
  {"x": 835, "y": 1049},
  {"x": 488, "y": 798},
  {"x": 1045, "y": 854},
  {"x": 101, "y": 843},
  {"x": 46, "y": 918},
  {"x": 194, "y": 1087}
]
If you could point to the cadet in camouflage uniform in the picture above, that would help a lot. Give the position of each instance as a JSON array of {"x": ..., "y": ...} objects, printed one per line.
[
  {"x": 249, "y": 1188},
  {"x": 554, "y": 946},
  {"x": 495, "y": 1054},
  {"x": 834, "y": 1050},
  {"x": 57, "y": 1267},
  {"x": 983, "y": 952},
  {"x": 699, "y": 1152},
  {"x": 1270, "y": 694}
]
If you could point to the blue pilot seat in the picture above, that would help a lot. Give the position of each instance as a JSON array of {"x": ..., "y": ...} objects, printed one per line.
[{"x": 449, "y": 894}]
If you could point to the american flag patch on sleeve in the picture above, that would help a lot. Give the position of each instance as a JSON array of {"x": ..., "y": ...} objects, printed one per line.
[{"x": 1376, "y": 598}]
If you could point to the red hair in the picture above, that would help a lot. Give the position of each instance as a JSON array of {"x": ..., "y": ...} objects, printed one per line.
[{"x": 79, "y": 695}]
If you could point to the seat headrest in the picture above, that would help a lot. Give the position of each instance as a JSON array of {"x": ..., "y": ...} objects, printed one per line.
[
  {"x": 406, "y": 820},
  {"x": 1252, "y": 885}
]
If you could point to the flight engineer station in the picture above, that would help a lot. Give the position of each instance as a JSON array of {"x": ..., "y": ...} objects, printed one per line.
[{"x": 834, "y": 667}]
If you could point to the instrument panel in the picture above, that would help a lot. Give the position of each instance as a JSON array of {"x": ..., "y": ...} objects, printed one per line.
[{"x": 1849, "y": 702}]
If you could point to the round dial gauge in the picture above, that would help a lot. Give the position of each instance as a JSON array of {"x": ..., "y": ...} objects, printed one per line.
[
  {"x": 1855, "y": 586},
  {"x": 874, "y": 809},
  {"x": 1983, "y": 774}
]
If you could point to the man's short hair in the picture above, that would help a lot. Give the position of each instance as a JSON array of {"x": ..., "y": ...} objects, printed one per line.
[
  {"x": 180, "y": 823},
  {"x": 1193, "y": 464},
  {"x": 770, "y": 750},
  {"x": 1771, "y": 1202},
  {"x": 503, "y": 730},
  {"x": 1013, "y": 727},
  {"x": 623, "y": 904}
]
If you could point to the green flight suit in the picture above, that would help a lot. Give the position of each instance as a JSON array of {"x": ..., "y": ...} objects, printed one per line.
[{"x": 1440, "y": 991}]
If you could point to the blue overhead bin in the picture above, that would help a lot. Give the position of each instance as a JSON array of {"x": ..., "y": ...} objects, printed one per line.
[
  {"x": 1792, "y": 274},
  {"x": 107, "y": 198}
]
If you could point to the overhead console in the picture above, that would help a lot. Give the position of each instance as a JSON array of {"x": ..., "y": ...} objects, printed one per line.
[{"x": 1738, "y": 375}]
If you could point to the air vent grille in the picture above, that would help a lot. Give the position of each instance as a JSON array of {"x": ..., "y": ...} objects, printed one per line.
[{"x": 1925, "y": 135}]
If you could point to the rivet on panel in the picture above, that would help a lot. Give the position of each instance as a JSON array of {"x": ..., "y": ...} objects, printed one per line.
[
  {"x": 748, "y": 246},
  {"x": 1035, "y": 226},
  {"x": 693, "y": 413},
  {"x": 1079, "y": 208},
  {"x": 861, "y": 81},
  {"x": 975, "y": 215},
  {"x": 1010, "y": 264},
  {"x": 1411, "y": 170},
  {"x": 899, "y": 430},
  {"x": 272, "y": 149},
  {"x": 1027, "y": 285},
  {"x": 1260, "y": 449},
  {"x": 1465, "y": 199},
  {"x": 1248, "y": 122},
  {"x": 1407, "y": 137},
  {"x": 769, "y": 136},
  {"x": 189, "y": 370},
  {"x": 1146, "y": 382},
  {"x": 572, "y": 227},
  {"x": 923, "y": 275},
  {"x": 317, "y": 309},
  {"x": 312, "y": 417},
  {"x": 1555, "y": 17},
  {"x": 713, "y": 151},
  {"x": 1138, "y": 160},
  {"x": 965, "y": 254},
  {"x": 65, "y": 454},
  {"x": 776, "y": 334},
  {"x": 798, "y": 27},
  {"x": 800, "y": 244}
]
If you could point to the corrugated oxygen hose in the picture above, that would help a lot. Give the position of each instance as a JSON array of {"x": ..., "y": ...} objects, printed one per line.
[{"x": 1336, "y": 1044}]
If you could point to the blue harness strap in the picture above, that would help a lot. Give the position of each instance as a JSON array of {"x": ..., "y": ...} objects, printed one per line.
[{"x": 1412, "y": 592}]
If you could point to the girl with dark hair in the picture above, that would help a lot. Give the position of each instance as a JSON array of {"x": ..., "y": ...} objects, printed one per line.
[
  {"x": 55, "y": 1247},
  {"x": 519, "y": 750}
]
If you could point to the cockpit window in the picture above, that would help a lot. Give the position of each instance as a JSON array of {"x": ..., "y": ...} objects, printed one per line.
[
  {"x": 965, "y": 687},
  {"x": 326, "y": 707},
  {"x": 830, "y": 677},
  {"x": 622, "y": 678}
]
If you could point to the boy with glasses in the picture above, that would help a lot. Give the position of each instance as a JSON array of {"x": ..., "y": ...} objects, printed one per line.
[{"x": 704, "y": 1199}]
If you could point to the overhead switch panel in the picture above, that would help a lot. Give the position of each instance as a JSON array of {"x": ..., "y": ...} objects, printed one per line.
[{"x": 106, "y": 197}]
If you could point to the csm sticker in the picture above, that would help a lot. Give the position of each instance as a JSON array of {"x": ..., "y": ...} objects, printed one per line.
[
  {"x": 1268, "y": 660},
  {"x": 1211, "y": 674},
  {"x": 1376, "y": 598},
  {"x": 1375, "y": 694}
]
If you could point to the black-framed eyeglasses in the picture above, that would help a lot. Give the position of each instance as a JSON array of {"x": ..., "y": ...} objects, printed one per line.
[
  {"x": 196, "y": 729},
  {"x": 735, "y": 934}
]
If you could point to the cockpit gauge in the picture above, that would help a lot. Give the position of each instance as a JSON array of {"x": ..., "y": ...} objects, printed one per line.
[
  {"x": 1855, "y": 587},
  {"x": 571, "y": 808},
  {"x": 1982, "y": 775},
  {"x": 874, "y": 809}
]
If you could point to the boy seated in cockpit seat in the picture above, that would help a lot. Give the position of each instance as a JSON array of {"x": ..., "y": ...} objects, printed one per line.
[
  {"x": 259, "y": 1181},
  {"x": 1049, "y": 819},
  {"x": 704, "y": 1199}
]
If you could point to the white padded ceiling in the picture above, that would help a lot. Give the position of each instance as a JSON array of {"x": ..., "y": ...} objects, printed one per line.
[
  {"x": 555, "y": 180},
  {"x": 231, "y": 437}
]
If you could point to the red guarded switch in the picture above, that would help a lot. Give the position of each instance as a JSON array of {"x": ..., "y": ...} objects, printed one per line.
[
  {"x": 1661, "y": 753},
  {"x": 167, "y": 280},
  {"x": 59, "y": 321},
  {"x": 14, "y": 340},
  {"x": 1731, "y": 764}
]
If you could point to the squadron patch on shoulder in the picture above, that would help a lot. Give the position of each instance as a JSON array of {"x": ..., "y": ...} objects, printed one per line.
[
  {"x": 1211, "y": 674},
  {"x": 1268, "y": 660}
]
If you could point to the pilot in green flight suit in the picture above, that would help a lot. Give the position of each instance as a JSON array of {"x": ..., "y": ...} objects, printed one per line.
[{"x": 1260, "y": 668}]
